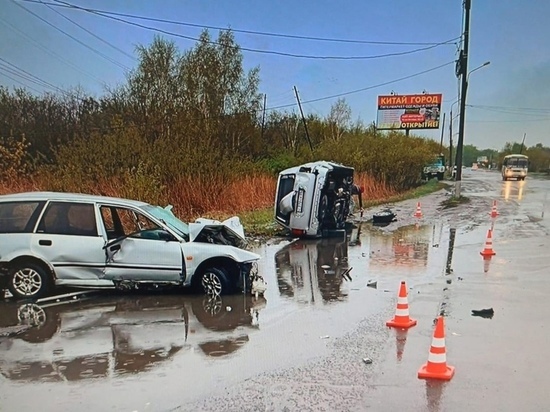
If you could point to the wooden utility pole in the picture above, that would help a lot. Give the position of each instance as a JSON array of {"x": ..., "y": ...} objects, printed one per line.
[
  {"x": 451, "y": 163},
  {"x": 263, "y": 117},
  {"x": 522, "y": 142},
  {"x": 303, "y": 119},
  {"x": 442, "y": 132}
]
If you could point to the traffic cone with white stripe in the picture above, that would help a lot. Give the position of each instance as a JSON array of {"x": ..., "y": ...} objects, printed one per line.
[
  {"x": 436, "y": 367},
  {"x": 488, "y": 251},
  {"x": 401, "y": 318},
  {"x": 418, "y": 212},
  {"x": 494, "y": 212}
]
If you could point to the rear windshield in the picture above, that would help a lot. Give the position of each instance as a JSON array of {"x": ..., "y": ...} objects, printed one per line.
[{"x": 19, "y": 217}]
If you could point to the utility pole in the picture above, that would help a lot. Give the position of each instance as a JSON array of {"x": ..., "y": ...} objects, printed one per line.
[
  {"x": 442, "y": 132},
  {"x": 522, "y": 142},
  {"x": 303, "y": 119},
  {"x": 451, "y": 142},
  {"x": 263, "y": 117},
  {"x": 463, "y": 70}
]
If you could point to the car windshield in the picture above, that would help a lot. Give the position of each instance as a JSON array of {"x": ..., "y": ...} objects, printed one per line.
[{"x": 169, "y": 219}]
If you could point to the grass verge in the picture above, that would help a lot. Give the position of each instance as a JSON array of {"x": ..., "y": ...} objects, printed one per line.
[
  {"x": 260, "y": 223},
  {"x": 454, "y": 202}
]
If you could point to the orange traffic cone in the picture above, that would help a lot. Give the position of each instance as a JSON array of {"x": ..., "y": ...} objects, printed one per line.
[
  {"x": 488, "y": 251},
  {"x": 494, "y": 212},
  {"x": 436, "y": 367},
  {"x": 418, "y": 212},
  {"x": 401, "y": 318}
]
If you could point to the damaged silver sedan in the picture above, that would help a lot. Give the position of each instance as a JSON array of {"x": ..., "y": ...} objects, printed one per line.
[{"x": 50, "y": 239}]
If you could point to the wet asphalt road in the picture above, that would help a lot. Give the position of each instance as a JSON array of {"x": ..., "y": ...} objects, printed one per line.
[{"x": 301, "y": 346}]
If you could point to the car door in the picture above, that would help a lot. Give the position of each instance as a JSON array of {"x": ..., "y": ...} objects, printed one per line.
[
  {"x": 67, "y": 236},
  {"x": 139, "y": 249}
]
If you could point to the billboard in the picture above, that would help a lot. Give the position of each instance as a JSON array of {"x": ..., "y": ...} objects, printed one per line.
[{"x": 409, "y": 111}]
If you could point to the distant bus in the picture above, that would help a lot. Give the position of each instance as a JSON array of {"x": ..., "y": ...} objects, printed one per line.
[{"x": 515, "y": 166}]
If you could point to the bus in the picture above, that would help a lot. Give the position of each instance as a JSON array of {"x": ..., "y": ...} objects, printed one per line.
[{"x": 514, "y": 166}]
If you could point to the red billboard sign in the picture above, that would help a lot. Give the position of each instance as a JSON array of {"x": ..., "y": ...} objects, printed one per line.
[{"x": 411, "y": 111}]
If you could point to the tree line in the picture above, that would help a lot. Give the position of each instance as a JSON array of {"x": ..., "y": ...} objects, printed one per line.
[{"x": 180, "y": 118}]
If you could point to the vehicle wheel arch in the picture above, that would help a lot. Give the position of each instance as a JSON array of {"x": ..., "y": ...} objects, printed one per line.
[
  {"x": 225, "y": 263},
  {"x": 33, "y": 260},
  {"x": 25, "y": 259}
]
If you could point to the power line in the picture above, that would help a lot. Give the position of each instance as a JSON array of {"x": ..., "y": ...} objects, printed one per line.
[
  {"x": 17, "y": 81},
  {"x": 542, "y": 119},
  {"x": 516, "y": 112},
  {"x": 29, "y": 76},
  {"x": 90, "y": 32},
  {"x": 255, "y": 32},
  {"x": 50, "y": 52},
  {"x": 122, "y": 66},
  {"x": 278, "y": 53},
  {"x": 539, "y": 109},
  {"x": 22, "y": 76},
  {"x": 366, "y": 88}
]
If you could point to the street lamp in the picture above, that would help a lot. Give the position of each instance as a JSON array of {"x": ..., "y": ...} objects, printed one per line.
[{"x": 460, "y": 143}]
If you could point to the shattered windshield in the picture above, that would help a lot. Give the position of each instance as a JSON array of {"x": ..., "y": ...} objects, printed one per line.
[{"x": 169, "y": 219}]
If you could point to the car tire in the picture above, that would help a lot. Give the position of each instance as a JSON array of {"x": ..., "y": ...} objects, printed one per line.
[
  {"x": 323, "y": 209},
  {"x": 28, "y": 281},
  {"x": 215, "y": 281}
]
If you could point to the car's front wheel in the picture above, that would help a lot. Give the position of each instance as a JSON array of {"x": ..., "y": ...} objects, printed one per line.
[
  {"x": 216, "y": 281},
  {"x": 28, "y": 281}
]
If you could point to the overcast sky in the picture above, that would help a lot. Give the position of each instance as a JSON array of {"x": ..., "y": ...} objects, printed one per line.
[{"x": 507, "y": 98}]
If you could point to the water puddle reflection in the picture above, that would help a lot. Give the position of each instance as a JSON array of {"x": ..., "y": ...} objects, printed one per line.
[{"x": 119, "y": 335}]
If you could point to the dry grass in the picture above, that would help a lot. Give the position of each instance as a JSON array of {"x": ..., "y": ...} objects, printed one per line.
[
  {"x": 207, "y": 196},
  {"x": 374, "y": 189}
]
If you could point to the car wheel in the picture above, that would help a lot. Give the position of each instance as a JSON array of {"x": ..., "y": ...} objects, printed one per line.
[
  {"x": 215, "y": 281},
  {"x": 28, "y": 281}
]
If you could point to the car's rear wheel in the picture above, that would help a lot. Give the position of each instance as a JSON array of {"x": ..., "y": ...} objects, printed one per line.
[
  {"x": 28, "y": 281},
  {"x": 216, "y": 281}
]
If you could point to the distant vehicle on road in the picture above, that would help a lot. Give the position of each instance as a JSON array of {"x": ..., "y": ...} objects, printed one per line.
[
  {"x": 515, "y": 166},
  {"x": 50, "y": 239},
  {"x": 435, "y": 169}
]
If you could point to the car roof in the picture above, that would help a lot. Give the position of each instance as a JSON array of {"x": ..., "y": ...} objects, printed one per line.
[{"x": 81, "y": 197}]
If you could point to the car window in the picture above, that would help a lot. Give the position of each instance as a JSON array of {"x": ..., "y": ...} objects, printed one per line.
[
  {"x": 65, "y": 218},
  {"x": 120, "y": 221},
  {"x": 19, "y": 217}
]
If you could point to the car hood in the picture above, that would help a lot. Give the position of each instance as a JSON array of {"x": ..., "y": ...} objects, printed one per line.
[{"x": 229, "y": 232}]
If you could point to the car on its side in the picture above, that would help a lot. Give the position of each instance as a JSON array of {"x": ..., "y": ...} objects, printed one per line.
[
  {"x": 52, "y": 239},
  {"x": 315, "y": 199}
]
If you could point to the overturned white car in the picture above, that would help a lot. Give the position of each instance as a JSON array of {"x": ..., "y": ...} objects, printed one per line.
[
  {"x": 315, "y": 199},
  {"x": 50, "y": 239}
]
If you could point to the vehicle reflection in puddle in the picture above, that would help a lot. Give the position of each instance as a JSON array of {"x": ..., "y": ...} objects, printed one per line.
[
  {"x": 310, "y": 271},
  {"x": 512, "y": 190},
  {"x": 111, "y": 336}
]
